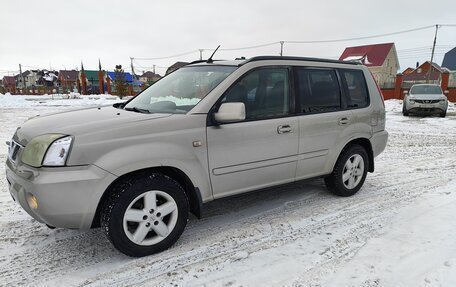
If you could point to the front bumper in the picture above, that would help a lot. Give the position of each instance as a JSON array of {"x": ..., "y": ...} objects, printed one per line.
[
  {"x": 434, "y": 108},
  {"x": 67, "y": 196}
]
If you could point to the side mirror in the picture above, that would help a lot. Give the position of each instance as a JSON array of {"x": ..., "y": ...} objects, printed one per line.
[
  {"x": 446, "y": 92},
  {"x": 230, "y": 112}
]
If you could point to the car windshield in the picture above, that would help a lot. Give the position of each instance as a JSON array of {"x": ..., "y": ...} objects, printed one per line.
[
  {"x": 180, "y": 91},
  {"x": 426, "y": 89}
]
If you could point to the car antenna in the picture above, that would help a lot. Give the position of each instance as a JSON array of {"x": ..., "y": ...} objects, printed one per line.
[{"x": 210, "y": 58}]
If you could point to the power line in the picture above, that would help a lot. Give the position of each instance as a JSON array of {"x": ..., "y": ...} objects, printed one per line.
[
  {"x": 303, "y": 42},
  {"x": 361, "y": 38}
]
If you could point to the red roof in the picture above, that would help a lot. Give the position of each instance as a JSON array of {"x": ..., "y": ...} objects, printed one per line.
[
  {"x": 370, "y": 55},
  {"x": 421, "y": 74},
  {"x": 9, "y": 80},
  {"x": 68, "y": 75}
]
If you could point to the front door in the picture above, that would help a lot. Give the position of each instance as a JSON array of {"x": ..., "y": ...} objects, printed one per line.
[{"x": 262, "y": 150}]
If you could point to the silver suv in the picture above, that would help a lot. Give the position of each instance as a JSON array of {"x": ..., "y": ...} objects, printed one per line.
[
  {"x": 206, "y": 131},
  {"x": 425, "y": 99}
]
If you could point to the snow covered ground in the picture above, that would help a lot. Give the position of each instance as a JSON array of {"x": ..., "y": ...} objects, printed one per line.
[{"x": 399, "y": 230}]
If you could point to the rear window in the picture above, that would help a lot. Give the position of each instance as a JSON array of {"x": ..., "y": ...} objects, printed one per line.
[{"x": 355, "y": 85}]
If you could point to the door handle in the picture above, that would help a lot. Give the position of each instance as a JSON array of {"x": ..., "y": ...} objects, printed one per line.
[
  {"x": 343, "y": 121},
  {"x": 284, "y": 129}
]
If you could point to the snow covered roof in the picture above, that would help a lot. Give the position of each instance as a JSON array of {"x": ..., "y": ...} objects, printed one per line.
[
  {"x": 370, "y": 55},
  {"x": 361, "y": 59}
]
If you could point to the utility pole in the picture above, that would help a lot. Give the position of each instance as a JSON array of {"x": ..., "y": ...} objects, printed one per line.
[
  {"x": 153, "y": 68},
  {"x": 201, "y": 54},
  {"x": 22, "y": 77},
  {"x": 132, "y": 69},
  {"x": 281, "y": 47},
  {"x": 432, "y": 55}
]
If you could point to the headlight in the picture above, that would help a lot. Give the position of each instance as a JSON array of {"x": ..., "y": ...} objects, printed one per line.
[
  {"x": 57, "y": 153},
  {"x": 48, "y": 150},
  {"x": 411, "y": 102}
]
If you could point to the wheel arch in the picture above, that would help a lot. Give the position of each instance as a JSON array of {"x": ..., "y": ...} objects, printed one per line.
[
  {"x": 193, "y": 193},
  {"x": 366, "y": 144}
]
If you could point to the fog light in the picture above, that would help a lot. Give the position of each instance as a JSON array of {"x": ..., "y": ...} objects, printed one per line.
[{"x": 32, "y": 201}]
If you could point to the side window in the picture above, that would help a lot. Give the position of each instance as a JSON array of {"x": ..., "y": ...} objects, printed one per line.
[
  {"x": 357, "y": 95},
  {"x": 264, "y": 92},
  {"x": 318, "y": 90}
]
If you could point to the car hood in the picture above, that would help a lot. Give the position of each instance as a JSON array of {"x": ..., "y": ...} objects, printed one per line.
[
  {"x": 79, "y": 122},
  {"x": 427, "y": 96}
]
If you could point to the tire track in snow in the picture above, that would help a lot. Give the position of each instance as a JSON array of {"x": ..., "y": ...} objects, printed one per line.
[{"x": 235, "y": 229}]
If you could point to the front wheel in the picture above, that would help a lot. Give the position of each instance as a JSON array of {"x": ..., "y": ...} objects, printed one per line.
[
  {"x": 404, "y": 110},
  {"x": 350, "y": 171},
  {"x": 145, "y": 215}
]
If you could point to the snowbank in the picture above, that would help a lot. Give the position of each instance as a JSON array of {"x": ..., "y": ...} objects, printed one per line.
[
  {"x": 73, "y": 99},
  {"x": 9, "y": 101}
]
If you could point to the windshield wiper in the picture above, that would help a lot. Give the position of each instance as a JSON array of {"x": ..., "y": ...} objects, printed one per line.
[{"x": 138, "y": 110}]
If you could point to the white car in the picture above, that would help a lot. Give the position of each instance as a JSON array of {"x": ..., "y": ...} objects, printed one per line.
[{"x": 425, "y": 99}]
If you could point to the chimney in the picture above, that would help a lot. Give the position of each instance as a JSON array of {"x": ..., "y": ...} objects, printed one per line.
[{"x": 417, "y": 64}]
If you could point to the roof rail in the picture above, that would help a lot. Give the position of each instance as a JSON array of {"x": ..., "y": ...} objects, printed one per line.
[
  {"x": 291, "y": 58},
  {"x": 202, "y": 61}
]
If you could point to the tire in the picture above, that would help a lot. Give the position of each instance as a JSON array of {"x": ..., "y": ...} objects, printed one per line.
[
  {"x": 145, "y": 215},
  {"x": 404, "y": 111},
  {"x": 354, "y": 177},
  {"x": 442, "y": 115}
]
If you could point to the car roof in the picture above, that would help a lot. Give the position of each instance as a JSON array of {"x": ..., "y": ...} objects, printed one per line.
[{"x": 241, "y": 62}]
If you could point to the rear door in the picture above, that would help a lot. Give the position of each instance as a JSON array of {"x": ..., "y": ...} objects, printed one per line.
[{"x": 324, "y": 121}]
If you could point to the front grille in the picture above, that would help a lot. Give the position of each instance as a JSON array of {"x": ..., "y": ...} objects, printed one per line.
[
  {"x": 13, "y": 150},
  {"x": 427, "y": 101}
]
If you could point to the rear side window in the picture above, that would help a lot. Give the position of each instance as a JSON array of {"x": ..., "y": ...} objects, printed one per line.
[
  {"x": 318, "y": 90},
  {"x": 356, "y": 88}
]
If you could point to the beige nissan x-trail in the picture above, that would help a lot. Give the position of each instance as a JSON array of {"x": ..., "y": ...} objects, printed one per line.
[{"x": 208, "y": 130}]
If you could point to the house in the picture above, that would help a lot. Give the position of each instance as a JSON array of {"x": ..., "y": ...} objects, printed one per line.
[
  {"x": 9, "y": 84},
  {"x": 47, "y": 78},
  {"x": 175, "y": 66},
  {"x": 425, "y": 72},
  {"x": 67, "y": 80},
  {"x": 381, "y": 59},
  {"x": 30, "y": 77},
  {"x": 449, "y": 60},
  {"x": 407, "y": 71},
  {"x": 129, "y": 79},
  {"x": 149, "y": 77},
  {"x": 92, "y": 82}
]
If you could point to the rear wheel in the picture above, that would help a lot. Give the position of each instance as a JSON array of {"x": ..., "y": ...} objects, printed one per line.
[
  {"x": 145, "y": 215},
  {"x": 350, "y": 171}
]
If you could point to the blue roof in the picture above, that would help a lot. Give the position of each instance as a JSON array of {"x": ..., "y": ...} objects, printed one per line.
[
  {"x": 449, "y": 61},
  {"x": 128, "y": 78}
]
